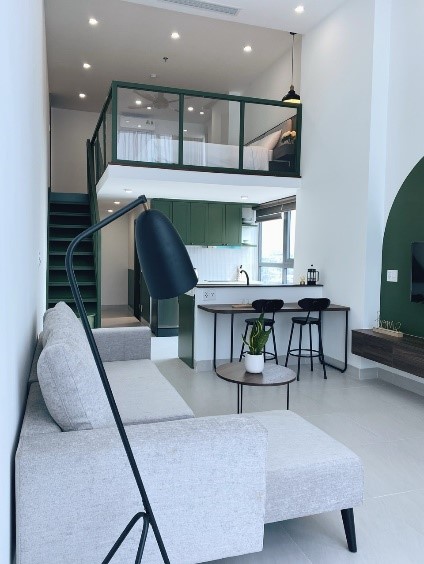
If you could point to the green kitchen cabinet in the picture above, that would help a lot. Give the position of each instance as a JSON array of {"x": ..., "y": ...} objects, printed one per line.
[
  {"x": 198, "y": 219},
  {"x": 233, "y": 224},
  {"x": 181, "y": 220},
  {"x": 216, "y": 224},
  {"x": 165, "y": 206}
]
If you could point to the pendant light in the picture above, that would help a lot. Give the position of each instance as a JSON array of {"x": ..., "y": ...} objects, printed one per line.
[{"x": 291, "y": 95}]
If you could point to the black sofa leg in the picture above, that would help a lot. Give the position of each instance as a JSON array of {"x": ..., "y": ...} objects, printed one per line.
[{"x": 349, "y": 527}]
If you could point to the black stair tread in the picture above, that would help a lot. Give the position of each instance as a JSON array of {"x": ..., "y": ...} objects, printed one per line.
[
  {"x": 69, "y": 225},
  {"x": 76, "y": 253},
  {"x": 66, "y": 283},
  {"x": 75, "y": 267},
  {"x": 72, "y": 213},
  {"x": 87, "y": 239}
]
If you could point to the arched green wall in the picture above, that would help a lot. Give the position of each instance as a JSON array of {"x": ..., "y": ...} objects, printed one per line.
[{"x": 405, "y": 225}]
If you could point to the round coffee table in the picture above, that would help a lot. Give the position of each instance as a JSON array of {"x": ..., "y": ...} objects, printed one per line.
[{"x": 272, "y": 375}]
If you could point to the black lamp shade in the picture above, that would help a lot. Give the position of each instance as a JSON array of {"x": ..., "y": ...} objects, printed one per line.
[
  {"x": 164, "y": 260},
  {"x": 291, "y": 96}
]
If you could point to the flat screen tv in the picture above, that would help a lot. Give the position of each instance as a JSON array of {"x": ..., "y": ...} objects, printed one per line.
[{"x": 417, "y": 272}]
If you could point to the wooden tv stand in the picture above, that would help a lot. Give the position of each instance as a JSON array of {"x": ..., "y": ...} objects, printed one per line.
[{"x": 406, "y": 353}]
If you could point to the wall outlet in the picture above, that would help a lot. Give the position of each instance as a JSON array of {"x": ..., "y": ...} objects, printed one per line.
[
  {"x": 209, "y": 295},
  {"x": 392, "y": 276}
]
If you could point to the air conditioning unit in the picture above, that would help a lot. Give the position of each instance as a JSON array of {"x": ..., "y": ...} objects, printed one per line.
[{"x": 137, "y": 123}]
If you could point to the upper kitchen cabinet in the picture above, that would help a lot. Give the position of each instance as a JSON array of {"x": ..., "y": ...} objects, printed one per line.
[
  {"x": 203, "y": 223},
  {"x": 198, "y": 219},
  {"x": 233, "y": 224},
  {"x": 216, "y": 224},
  {"x": 181, "y": 220}
]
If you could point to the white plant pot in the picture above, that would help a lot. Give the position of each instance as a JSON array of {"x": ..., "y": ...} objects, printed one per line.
[{"x": 254, "y": 363}]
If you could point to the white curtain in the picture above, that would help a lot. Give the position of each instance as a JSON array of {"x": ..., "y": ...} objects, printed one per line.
[
  {"x": 194, "y": 152},
  {"x": 145, "y": 146}
]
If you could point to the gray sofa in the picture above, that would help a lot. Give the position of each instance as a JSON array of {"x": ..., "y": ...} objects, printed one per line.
[{"x": 213, "y": 482}]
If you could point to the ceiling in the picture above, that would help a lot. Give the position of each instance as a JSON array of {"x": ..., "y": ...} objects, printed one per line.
[{"x": 133, "y": 36}]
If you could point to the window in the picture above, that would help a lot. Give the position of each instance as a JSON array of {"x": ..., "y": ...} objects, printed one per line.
[{"x": 276, "y": 244}]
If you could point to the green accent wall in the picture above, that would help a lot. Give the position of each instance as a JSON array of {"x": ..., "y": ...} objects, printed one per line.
[{"x": 405, "y": 225}]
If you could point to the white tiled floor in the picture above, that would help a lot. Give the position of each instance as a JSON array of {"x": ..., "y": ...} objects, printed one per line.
[{"x": 383, "y": 424}]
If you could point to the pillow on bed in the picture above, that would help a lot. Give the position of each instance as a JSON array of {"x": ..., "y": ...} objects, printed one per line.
[{"x": 270, "y": 141}]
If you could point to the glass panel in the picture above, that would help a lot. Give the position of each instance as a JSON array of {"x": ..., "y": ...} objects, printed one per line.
[
  {"x": 271, "y": 274},
  {"x": 269, "y": 138},
  {"x": 292, "y": 233},
  {"x": 272, "y": 241},
  {"x": 289, "y": 276},
  {"x": 211, "y": 132},
  {"x": 147, "y": 126}
]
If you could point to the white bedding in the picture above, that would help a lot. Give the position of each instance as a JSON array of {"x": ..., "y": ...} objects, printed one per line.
[{"x": 148, "y": 147}]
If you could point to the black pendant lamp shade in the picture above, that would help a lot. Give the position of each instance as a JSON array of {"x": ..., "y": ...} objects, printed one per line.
[
  {"x": 164, "y": 260},
  {"x": 291, "y": 95}
]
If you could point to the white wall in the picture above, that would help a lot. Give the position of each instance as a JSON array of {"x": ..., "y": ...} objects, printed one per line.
[
  {"x": 334, "y": 208},
  {"x": 70, "y": 130},
  {"x": 22, "y": 226},
  {"x": 406, "y": 93},
  {"x": 115, "y": 247}
]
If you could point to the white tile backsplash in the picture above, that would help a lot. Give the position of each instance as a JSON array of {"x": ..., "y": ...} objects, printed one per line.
[{"x": 222, "y": 263}]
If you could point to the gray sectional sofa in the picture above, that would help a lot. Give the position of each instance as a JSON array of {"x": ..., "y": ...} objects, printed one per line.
[{"x": 212, "y": 482}]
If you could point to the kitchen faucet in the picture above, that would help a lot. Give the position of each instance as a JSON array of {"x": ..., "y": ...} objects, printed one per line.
[{"x": 244, "y": 272}]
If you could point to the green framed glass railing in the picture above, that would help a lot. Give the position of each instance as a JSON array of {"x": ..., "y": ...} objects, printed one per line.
[{"x": 154, "y": 126}]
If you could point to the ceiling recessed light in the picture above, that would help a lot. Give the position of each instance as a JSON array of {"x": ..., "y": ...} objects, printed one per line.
[
  {"x": 138, "y": 102},
  {"x": 117, "y": 203},
  {"x": 247, "y": 48},
  {"x": 110, "y": 211},
  {"x": 153, "y": 75},
  {"x": 175, "y": 35},
  {"x": 86, "y": 66},
  {"x": 149, "y": 107},
  {"x": 81, "y": 95},
  {"x": 243, "y": 197},
  {"x": 93, "y": 21},
  {"x": 127, "y": 121},
  {"x": 202, "y": 113},
  {"x": 139, "y": 126},
  {"x": 127, "y": 190},
  {"x": 299, "y": 10},
  {"x": 185, "y": 130},
  {"x": 190, "y": 108}
]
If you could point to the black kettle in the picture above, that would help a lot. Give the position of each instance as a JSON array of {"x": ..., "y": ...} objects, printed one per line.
[{"x": 313, "y": 276}]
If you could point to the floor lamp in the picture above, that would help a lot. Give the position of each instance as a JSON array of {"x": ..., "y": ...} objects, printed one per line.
[{"x": 168, "y": 273}]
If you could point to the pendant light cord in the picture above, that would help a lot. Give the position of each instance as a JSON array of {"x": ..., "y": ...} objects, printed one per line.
[{"x": 292, "y": 54}]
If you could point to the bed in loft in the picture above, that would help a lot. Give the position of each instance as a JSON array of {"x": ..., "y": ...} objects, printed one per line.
[{"x": 273, "y": 150}]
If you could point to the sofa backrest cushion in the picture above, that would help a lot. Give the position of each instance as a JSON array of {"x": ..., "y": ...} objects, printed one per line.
[{"x": 68, "y": 376}]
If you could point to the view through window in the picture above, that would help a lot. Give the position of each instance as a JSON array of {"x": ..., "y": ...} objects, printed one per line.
[{"x": 276, "y": 249}]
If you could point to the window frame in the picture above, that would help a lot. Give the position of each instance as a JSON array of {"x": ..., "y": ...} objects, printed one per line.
[{"x": 287, "y": 262}]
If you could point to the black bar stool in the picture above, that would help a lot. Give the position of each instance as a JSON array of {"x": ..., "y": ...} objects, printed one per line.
[
  {"x": 309, "y": 305},
  {"x": 264, "y": 306}
]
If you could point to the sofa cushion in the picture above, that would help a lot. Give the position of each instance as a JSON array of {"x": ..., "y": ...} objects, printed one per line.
[
  {"x": 143, "y": 394},
  {"x": 68, "y": 376},
  {"x": 308, "y": 472}
]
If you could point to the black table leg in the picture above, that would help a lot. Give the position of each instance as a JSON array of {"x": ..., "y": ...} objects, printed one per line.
[
  {"x": 214, "y": 341},
  {"x": 345, "y": 344},
  {"x": 232, "y": 337},
  {"x": 288, "y": 395},
  {"x": 239, "y": 398}
]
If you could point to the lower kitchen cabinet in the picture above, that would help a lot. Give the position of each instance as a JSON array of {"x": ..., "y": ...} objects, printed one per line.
[{"x": 186, "y": 329}]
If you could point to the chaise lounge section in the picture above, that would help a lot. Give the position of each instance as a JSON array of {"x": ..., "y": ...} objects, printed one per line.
[{"x": 213, "y": 482}]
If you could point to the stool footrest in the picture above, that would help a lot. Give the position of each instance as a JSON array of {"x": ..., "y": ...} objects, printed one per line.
[{"x": 307, "y": 354}]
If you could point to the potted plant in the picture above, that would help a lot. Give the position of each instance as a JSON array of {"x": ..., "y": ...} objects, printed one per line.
[{"x": 254, "y": 359}]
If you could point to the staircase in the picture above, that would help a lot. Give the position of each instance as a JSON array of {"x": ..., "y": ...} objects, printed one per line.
[{"x": 69, "y": 215}]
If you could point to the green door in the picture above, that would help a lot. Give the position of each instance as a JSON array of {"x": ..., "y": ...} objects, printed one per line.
[
  {"x": 216, "y": 224},
  {"x": 181, "y": 220},
  {"x": 232, "y": 224},
  {"x": 165, "y": 206},
  {"x": 198, "y": 218}
]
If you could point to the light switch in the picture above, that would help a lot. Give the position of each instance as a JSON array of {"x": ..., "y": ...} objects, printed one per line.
[{"x": 392, "y": 276}]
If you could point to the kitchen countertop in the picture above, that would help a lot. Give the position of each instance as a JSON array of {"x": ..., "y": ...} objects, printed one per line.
[{"x": 209, "y": 284}]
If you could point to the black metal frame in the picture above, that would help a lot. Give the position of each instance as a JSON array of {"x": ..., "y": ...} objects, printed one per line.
[{"x": 147, "y": 515}]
